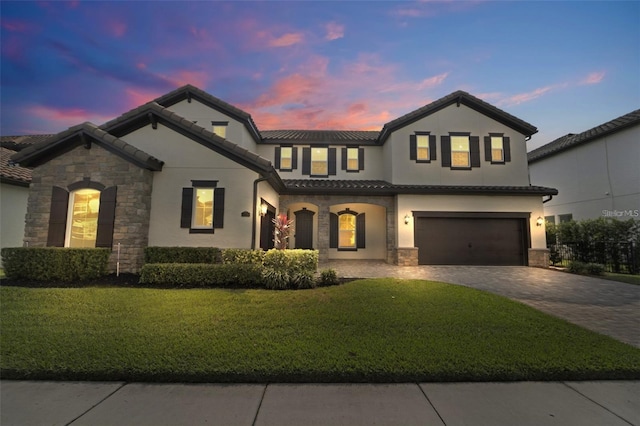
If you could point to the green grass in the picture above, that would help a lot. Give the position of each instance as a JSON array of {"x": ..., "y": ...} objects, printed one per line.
[
  {"x": 623, "y": 278},
  {"x": 378, "y": 330}
]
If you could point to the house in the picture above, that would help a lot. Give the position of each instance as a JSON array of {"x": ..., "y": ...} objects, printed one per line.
[
  {"x": 597, "y": 171},
  {"x": 14, "y": 190},
  {"x": 445, "y": 184}
]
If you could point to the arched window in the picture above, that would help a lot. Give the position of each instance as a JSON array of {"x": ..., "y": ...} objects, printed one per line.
[
  {"x": 347, "y": 230},
  {"x": 82, "y": 218}
]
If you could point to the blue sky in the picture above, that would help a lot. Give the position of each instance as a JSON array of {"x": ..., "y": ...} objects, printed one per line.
[{"x": 562, "y": 66}]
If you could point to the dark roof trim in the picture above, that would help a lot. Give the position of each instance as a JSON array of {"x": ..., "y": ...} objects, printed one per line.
[
  {"x": 189, "y": 92},
  {"x": 79, "y": 135},
  {"x": 15, "y": 182},
  {"x": 379, "y": 187},
  {"x": 325, "y": 137},
  {"x": 570, "y": 140},
  {"x": 458, "y": 97}
]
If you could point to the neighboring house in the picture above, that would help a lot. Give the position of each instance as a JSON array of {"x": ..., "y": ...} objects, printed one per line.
[
  {"x": 14, "y": 190},
  {"x": 445, "y": 184},
  {"x": 597, "y": 172}
]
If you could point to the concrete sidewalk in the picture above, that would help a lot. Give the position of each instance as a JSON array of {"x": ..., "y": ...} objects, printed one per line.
[{"x": 518, "y": 403}]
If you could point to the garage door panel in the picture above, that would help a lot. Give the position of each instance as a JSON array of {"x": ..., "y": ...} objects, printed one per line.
[{"x": 470, "y": 241}]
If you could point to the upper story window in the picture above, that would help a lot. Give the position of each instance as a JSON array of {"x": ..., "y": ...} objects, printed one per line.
[
  {"x": 286, "y": 157},
  {"x": 422, "y": 147},
  {"x": 352, "y": 159},
  {"x": 460, "y": 151},
  {"x": 82, "y": 227},
  {"x": 220, "y": 128},
  {"x": 319, "y": 161},
  {"x": 497, "y": 149}
]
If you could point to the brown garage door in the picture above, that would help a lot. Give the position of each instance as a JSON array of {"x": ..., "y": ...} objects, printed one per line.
[{"x": 471, "y": 241}]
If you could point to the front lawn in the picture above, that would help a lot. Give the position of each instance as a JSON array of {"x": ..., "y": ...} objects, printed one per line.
[{"x": 377, "y": 330}]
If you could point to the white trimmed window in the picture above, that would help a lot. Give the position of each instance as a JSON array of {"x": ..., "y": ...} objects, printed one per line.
[
  {"x": 202, "y": 208},
  {"x": 422, "y": 148},
  {"x": 497, "y": 149},
  {"x": 82, "y": 218},
  {"x": 347, "y": 231},
  {"x": 319, "y": 161},
  {"x": 460, "y": 154},
  {"x": 286, "y": 158},
  {"x": 353, "y": 162}
]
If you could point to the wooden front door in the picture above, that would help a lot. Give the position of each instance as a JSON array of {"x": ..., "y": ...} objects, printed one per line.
[
  {"x": 267, "y": 227},
  {"x": 304, "y": 229}
]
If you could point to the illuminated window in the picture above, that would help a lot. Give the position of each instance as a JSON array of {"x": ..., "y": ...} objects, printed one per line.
[
  {"x": 202, "y": 208},
  {"x": 82, "y": 219},
  {"x": 353, "y": 162},
  {"x": 497, "y": 149},
  {"x": 422, "y": 147},
  {"x": 460, "y": 155},
  {"x": 319, "y": 162},
  {"x": 286, "y": 158},
  {"x": 347, "y": 231},
  {"x": 220, "y": 128}
]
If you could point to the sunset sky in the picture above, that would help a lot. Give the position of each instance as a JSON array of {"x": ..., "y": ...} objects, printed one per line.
[{"x": 562, "y": 66}]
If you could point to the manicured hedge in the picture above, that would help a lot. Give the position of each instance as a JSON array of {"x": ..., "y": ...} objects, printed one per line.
[
  {"x": 201, "y": 275},
  {"x": 292, "y": 261},
  {"x": 245, "y": 256},
  {"x": 55, "y": 263},
  {"x": 182, "y": 255}
]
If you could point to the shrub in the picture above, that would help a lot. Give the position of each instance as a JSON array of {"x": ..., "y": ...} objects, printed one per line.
[
  {"x": 576, "y": 267},
  {"x": 182, "y": 255},
  {"x": 329, "y": 277},
  {"x": 55, "y": 263},
  {"x": 594, "y": 268},
  {"x": 303, "y": 280},
  {"x": 244, "y": 256},
  {"x": 275, "y": 279},
  {"x": 200, "y": 275},
  {"x": 293, "y": 261}
]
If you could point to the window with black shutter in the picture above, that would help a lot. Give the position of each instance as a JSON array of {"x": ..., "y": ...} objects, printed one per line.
[
  {"x": 202, "y": 209},
  {"x": 422, "y": 147},
  {"x": 347, "y": 230}
]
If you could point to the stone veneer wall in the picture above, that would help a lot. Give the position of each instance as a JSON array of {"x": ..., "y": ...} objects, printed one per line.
[
  {"x": 324, "y": 202},
  {"x": 539, "y": 258},
  {"x": 133, "y": 202}
]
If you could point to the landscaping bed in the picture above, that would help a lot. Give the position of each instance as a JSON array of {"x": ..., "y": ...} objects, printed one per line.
[{"x": 376, "y": 330}]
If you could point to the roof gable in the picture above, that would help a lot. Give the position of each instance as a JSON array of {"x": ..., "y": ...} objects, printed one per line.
[
  {"x": 571, "y": 140},
  {"x": 189, "y": 92},
  {"x": 84, "y": 134},
  {"x": 459, "y": 98},
  {"x": 10, "y": 172}
]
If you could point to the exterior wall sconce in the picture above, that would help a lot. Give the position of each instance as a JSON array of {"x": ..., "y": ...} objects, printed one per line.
[
  {"x": 539, "y": 221},
  {"x": 263, "y": 209},
  {"x": 407, "y": 219}
]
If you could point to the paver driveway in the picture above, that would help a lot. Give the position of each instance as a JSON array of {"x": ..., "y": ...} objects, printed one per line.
[{"x": 604, "y": 306}]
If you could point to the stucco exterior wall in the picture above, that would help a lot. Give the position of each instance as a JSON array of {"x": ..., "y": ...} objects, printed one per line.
[
  {"x": 13, "y": 208},
  {"x": 594, "y": 178},
  {"x": 399, "y": 169},
  {"x": 186, "y": 160},
  {"x": 204, "y": 115},
  {"x": 133, "y": 200},
  {"x": 469, "y": 203}
]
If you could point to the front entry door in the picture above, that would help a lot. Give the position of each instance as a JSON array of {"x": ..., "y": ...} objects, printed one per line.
[
  {"x": 267, "y": 228},
  {"x": 304, "y": 229}
]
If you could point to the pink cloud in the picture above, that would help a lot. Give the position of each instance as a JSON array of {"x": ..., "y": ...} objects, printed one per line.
[
  {"x": 137, "y": 97},
  {"x": 64, "y": 117},
  {"x": 288, "y": 39},
  {"x": 116, "y": 28},
  {"x": 525, "y": 97},
  {"x": 196, "y": 78},
  {"x": 593, "y": 78},
  {"x": 334, "y": 31},
  {"x": 17, "y": 26}
]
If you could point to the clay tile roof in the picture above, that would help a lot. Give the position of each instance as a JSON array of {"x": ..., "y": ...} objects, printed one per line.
[
  {"x": 326, "y": 136},
  {"x": 381, "y": 187},
  {"x": 10, "y": 172},
  {"x": 570, "y": 140},
  {"x": 18, "y": 143}
]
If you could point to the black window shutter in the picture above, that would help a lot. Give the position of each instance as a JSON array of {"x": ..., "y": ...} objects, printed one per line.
[
  {"x": 360, "y": 231},
  {"x": 106, "y": 217},
  {"x": 333, "y": 230},
  {"x": 445, "y": 142},
  {"x": 432, "y": 148},
  {"x": 487, "y": 148},
  {"x": 344, "y": 159},
  {"x": 218, "y": 208},
  {"x": 360, "y": 158},
  {"x": 306, "y": 161},
  {"x": 474, "y": 148},
  {"x": 58, "y": 217},
  {"x": 332, "y": 161},
  {"x": 507, "y": 148},
  {"x": 294, "y": 158},
  {"x": 277, "y": 162},
  {"x": 413, "y": 148},
  {"x": 187, "y": 208}
]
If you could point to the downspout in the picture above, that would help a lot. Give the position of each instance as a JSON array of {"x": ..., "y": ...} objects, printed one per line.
[
  {"x": 548, "y": 199},
  {"x": 255, "y": 209}
]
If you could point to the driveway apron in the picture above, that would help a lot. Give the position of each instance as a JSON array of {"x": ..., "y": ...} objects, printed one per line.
[{"x": 607, "y": 307}]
